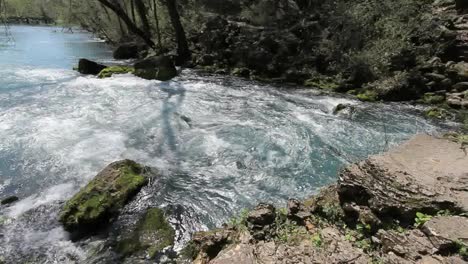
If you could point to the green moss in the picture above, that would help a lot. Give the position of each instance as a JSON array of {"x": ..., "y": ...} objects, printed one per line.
[
  {"x": 152, "y": 234},
  {"x": 109, "y": 71},
  {"x": 368, "y": 96},
  {"x": 437, "y": 113},
  {"x": 103, "y": 196},
  {"x": 322, "y": 83},
  {"x": 432, "y": 98}
]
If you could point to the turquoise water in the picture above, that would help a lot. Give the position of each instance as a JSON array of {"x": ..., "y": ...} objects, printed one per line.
[{"x": 220, "y": 143}]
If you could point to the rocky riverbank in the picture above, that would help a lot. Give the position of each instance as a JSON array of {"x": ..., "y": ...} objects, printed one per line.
[{"x": 409, "y": 205}]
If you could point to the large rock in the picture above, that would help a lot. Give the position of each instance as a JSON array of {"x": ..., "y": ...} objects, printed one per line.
[
  {"x": 96, "y": 203},
  {"x": 425, "y": 174},
  {"x": 156, "y": 68},
  {"x": 128, "y": 51},
  {"x": 86, "y": 66}
]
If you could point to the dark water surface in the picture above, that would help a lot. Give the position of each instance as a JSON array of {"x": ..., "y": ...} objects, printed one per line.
[{"x": 221, "y": 143}]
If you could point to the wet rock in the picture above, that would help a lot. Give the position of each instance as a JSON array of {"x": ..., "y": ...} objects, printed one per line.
[
  {"x": 444, "y": 232},
  {"x": 102, "y": 198},
  {"x": 152, "y": 234},
  {"x": 344, "y": 108},
  {"x": 241, "y": 72},
  {"x": 425, "y": 174},
  {"x": 128, "y": 51},
  {"x": 86, "y": 66},
  {"x": 9, "y": 200},
  {"x": 156, "y": 68}
]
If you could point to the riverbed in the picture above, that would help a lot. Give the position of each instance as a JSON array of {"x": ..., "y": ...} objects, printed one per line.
[{"x": 220, "y": 143}]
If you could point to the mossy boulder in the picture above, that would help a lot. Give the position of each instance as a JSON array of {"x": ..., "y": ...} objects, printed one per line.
[
  {"x": 152, "y": 234},
  {"x": 367, "y": 96},
  {"x": 433, "y": 98},
  {"x": 437, "y": 113},
  {"x": 109, "y": 71},
  {"x": 323, "y": 83},
  {"x": 156, "y": 68},
  {"x": 95, "y": 204}
]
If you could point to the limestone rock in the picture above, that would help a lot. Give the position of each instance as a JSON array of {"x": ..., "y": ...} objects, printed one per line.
[
  {"x": 424, "y": 174},
  {"x": 445, "y": 231},
  {"x": 410, "y": 245}
]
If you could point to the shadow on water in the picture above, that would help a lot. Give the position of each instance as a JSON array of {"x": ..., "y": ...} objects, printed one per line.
[{"x": 170, "y": 105}]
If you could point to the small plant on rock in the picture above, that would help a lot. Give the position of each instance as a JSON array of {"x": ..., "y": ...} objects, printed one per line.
[{"x": 421, "y": 219}]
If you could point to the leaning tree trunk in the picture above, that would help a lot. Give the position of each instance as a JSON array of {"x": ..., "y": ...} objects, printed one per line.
[
  {"x": 182, "y": 45},
  {"x": 119, "y": 11}
]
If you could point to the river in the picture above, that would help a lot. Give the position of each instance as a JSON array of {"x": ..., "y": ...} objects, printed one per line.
[{"x": 220, "y": 143}]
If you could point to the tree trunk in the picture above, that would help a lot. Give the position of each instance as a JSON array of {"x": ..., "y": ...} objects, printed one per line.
[
  {"x": 118, "y": 10},
  {"x": 132, "y": 9},
  {"x": 183, "y": 51},
  {"x": 156, "y": 19},
  {"x": 141, "y": 9}
]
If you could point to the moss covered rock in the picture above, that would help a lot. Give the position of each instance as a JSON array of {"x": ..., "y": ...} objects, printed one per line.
[
  {"x": 109, "y": 71},
  {"x": 437, "y": 113},
  {"x": 152, "y": 234},
  {"x": 433, "y": 98},
  {"x": 96, "y": 203},
  {"x": 368, "y": 96},
  {"x": 323, "y": 83}
]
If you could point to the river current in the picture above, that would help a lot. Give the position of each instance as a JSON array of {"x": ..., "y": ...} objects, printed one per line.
[{"x": 220, "y": 143}]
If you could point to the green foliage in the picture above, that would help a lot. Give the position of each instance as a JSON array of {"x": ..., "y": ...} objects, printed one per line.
[
  {"x": 437, "y": 113},
  {"x": 462, "y": 248},
  {"x": 421, "y": 218},
  {"x": 317, "y": 240},
  {"x": 239, "y": 222}
]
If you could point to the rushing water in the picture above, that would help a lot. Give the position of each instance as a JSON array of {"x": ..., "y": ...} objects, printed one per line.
[{"x": 221, "y": 143}]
